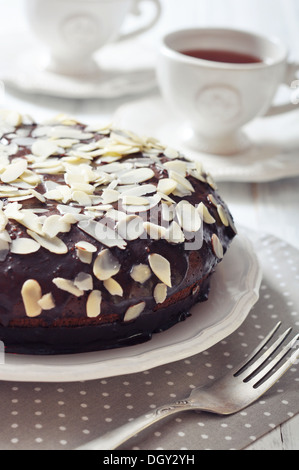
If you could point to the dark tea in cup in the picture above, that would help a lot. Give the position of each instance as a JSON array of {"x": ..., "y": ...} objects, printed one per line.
[{"x": 225, "y": 56}]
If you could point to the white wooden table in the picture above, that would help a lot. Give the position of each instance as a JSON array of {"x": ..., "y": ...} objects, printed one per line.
[{"x": 269, "y": 207}]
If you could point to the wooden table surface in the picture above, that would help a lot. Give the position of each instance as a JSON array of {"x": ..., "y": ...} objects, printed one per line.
[{"x": 268, "y": 207}]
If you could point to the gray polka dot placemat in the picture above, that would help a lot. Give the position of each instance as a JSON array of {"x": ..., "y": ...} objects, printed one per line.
[{"x": 65, "y": 416}]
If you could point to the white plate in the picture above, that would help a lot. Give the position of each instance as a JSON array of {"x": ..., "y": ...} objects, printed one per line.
[
  {"x": 126, "y": 69},
  {"x": 234, "y": 290},
  {"x": 274, "y": 153}
]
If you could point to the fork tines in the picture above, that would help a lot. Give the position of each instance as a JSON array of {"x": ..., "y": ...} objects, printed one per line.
[{"x": 254, "y": 372}]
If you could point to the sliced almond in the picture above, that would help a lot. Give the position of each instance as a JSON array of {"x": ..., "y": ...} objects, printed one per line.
[
  {"x": 139, "y": 191},
  {"x": 212, "y": 200},
  {"x": 168, "y": 212},
  {"x": 177, "y": 165},
  {"x": 136, "y": 176},
  {"x": 113, "y": 287},
  {"x": 181, "y": 180},
  {"x": 54, "y": 245},
  {"x": 141, "y": 273},
  {"x": 105, "y": 265},
  {"x": 84, "y": 256},
  {"x": 86, "y": 246},
  {"x": 188, "y": 217},
  {"x": 66, "y": 132},
  {"x": 51, "y": 226},
  {"x": 167, "y": 186},
  {"x": 171, "y": 153},
  {"x": 68, "y": 286},
  {"x": 14, "y": 170},
  {"x": 47, "y": 302},
  {"x": 160, "y": 293},
  {"x": 13, "y": 118},
  {"x": 3, "y": 221},
  {"x": 161, "y": 268},
  {"x": 174, "y": 234},
  {"x": 93, "y": 304},
  {"x": 44, "y": 148},
  {"x": 153, "y": 201},
  {"x": 102, "y": 233},
  {"x": 217, "y": 246},
  {"x": 134, "y": 312},
  {"x": 81, "y": 198},
  {"x": 222, "y": 215},
  {"x": 83, "y": 281},
  {"x": 24, "y": 246},
  {"x": 130, "y": 228},
  {"x": 155, "y": 232},
  {"x": 31, "y": 294},
  {"x": 205, "y": 214},
  {"x": 134, "y": 200},
  {"x": 110, "y": 195}
]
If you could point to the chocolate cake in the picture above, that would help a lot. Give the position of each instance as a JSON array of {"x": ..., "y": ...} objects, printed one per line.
[{"x": 105, "y": 237}]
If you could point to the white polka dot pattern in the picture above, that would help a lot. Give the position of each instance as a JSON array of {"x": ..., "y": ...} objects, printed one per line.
[{"x": 65, "y": 416}]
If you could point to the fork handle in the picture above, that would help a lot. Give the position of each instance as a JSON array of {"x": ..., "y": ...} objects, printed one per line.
[{"x": 115, "y": 438}]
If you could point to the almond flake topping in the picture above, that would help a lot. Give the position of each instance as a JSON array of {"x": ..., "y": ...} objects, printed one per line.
[
  {"x": 188, "y": 217},
  {"x": 44, "y": 148},
  {"x": 161, "y": 268},
  {"x": 93, "y": 173},
  {"x": 85, "y": 246},
  {"x": 134, "y": 312},
  {"x": 113, "y": 287},
  {"x": 136, "y": 176},
  {"x": 167, "y": 186},
  {"x": 24, "y": 246},
  {"x": 205, "y": 214},
  {"x": 181, "y": 180},
  {"x": 14, "y": 170},
  {"x": 222, "y": 215},
  {"x": 31, "y": 294},
  {"x": 177, "y": 165},
  {"x": 47, "y": 302},
  {"x": 134, "y": 201},
  {"x": 84, "y": 256},
  {"x": 93, "y": 304},
  {"x": 139, "y": 191},
  {"x": 3, "y": 221},
  {"x": 174, "y": 234},
  {"x": 141, "y": 273},
  {"x": 155, "y": 232},
  {"x": 68, "y": 286},
  {"x": 105, "y": 265},
  {"x": 217, "y": 246},
  {"x": 83, "y": 281},
  {"x": 130, "y": 228},
  {"x": 212, "y": 199},
  {"x": 160, "y": 293},
  {"x": 102, "y": 233},
  {"x": 54, "y": 245}
]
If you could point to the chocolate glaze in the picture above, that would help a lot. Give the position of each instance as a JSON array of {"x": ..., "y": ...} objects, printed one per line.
[{"x": 66, "y": 328}]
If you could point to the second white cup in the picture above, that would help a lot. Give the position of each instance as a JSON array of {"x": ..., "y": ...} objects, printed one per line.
[{"x": 73, "y": 30}]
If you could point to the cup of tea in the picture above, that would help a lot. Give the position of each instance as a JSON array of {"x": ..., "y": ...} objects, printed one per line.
[
  {"x": 73, "y": 30},
  {"x": 220, "y": 79}
]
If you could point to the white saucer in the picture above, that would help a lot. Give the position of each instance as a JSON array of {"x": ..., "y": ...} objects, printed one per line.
[
  {"x": 126, "y": 69},
  {"x": 234, "y": 291},
  {"x": 274, "y": 154}
]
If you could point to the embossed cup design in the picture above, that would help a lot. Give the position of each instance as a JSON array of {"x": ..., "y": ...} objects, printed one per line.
[{"x": 73, "y": 30}]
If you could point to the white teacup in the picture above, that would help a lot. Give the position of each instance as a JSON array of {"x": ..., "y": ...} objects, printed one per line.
[
  {"x": 74, "y": 30},
  {"x": 218, "y": 98}
]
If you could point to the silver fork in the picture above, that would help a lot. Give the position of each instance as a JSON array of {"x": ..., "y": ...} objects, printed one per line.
[{"x": 227, "y": 395}]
